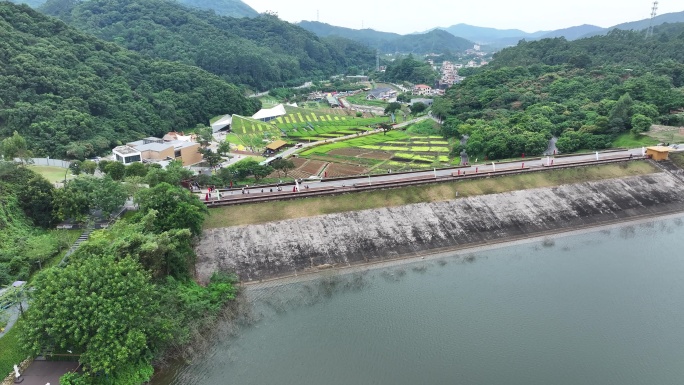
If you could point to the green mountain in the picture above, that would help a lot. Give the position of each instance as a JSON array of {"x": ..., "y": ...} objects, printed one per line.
[
  {"x": 436, "y": 41},
  {"x": 586, "y": 92},
  {"x": 640, "y": 25},
  {"x": 232, "y": 8},
  {"x": 73, "y": 95},
  {"x": 261, "y": 52}
]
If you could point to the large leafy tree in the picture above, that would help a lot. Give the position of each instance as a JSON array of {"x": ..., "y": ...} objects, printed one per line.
[
  {"x": 177, "y": 208},
  {"x": 103, "y": 308}
]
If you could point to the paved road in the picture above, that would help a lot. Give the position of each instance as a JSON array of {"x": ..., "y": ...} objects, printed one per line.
[{"x": 479, "y": 168}]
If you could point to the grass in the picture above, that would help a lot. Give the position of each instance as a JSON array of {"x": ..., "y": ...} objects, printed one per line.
[
  {"x": 52, "y": 174},
  {"x": 11, "y": 352},
  {"x": 678, "y": 159},
  {"x": 628, "y": 140},
  {"x": 274, "y": 211},
  {"x": 361, "y": 100}
]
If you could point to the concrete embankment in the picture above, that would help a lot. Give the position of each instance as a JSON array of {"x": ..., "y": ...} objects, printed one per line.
[{"x": 298, "y": 245}]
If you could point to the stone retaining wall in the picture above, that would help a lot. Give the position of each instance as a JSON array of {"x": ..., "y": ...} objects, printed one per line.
[{"x": 289, "y": 246}]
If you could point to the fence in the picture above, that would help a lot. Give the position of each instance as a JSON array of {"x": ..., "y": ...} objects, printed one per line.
[{"x": 47, "y": 162}]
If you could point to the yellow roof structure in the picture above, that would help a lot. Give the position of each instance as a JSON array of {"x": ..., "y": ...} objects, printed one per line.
[
  {"x": 276, "y": 145},
  {"x": 660, "y": 148}
]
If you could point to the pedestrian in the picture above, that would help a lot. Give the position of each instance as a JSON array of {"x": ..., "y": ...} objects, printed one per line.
[
  {"x": 262, "y": 190},
  {"x": 206, "y": 197},
  {"x": 271, "y": 189}
]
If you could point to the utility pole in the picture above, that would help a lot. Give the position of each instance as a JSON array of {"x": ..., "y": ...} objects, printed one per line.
[
  {"x": 654, "y": 12},
  {"x": 377, "y": 59},
  {"x": 318, "y": 15}
]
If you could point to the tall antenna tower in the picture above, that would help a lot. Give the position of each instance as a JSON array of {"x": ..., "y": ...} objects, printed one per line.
[
  {"x": 318, "y": 15},
  {"x": 654, "y": 12}
]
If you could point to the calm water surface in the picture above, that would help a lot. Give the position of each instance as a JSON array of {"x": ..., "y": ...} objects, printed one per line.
[{"x": 605, "y": 307}]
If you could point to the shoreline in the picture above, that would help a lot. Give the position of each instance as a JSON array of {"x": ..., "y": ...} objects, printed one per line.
[{"x": 431, "y": 255}]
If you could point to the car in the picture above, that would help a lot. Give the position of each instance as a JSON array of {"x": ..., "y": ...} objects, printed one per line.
[{"x": 298, "y": 145}]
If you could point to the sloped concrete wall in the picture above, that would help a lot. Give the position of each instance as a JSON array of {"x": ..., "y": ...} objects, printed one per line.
[{"x": 283, "y": 247}]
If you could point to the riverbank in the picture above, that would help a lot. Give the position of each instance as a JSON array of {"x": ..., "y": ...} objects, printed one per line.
[
  {"x": 296, "y": 246},
  {"x": 466, "y": 253}
]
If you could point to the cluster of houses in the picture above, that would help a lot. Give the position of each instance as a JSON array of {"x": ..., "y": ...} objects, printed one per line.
[{"x": 449, "y": 75}]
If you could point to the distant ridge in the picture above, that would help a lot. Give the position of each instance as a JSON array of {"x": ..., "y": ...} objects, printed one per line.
[
  {"x": 436, "y": 41},
  {"x": 232, "y": 8}
]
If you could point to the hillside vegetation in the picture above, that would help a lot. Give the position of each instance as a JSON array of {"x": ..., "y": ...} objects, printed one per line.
[
  {"x": 437, "y": 41},
  {"x": 586, "y": 92},
  {"x": 232, "y": 8},
  {"x": 73, "y": 95},
  {"x": 260, "y": 52}
]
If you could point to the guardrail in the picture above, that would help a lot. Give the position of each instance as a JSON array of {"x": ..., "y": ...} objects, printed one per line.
[{"x": 422, "y": 180}]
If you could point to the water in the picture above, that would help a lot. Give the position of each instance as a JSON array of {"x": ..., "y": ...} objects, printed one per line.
[{"x": 604, "y": 307}]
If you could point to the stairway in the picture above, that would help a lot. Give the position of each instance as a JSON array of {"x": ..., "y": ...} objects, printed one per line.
[{"x": 84, "y": 237}]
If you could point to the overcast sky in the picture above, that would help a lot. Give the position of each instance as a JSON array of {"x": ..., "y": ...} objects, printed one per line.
[{"x": 403, "y": 16}]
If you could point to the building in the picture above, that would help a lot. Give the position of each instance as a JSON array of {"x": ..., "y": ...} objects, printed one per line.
[
  {"x": 275, "y": 146},
  {"x": 222, "y": 124},
  {"x": 268, "y": 114},
  {"x": 155, "y": 149},
  {"x": 427, "y": 102},
  {"x": 357, "y": 78},
  {"x": 381, "y": 94},
  {"x": 658, "y": 153},
  {"x": 127, "y": 154},
  {"x": 422, "y": 89},
  {"x": 332, "y": 101}
]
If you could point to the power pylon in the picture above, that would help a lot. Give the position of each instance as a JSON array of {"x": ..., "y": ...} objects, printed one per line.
[{"x": 654, "y": 12}]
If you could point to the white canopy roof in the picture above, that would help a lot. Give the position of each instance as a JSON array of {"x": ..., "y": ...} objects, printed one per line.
[
  {"x": 225, "y": 120},
  {"x": 269, "y": 113}
]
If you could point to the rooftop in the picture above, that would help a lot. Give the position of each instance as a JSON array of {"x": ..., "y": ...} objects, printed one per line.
[
  {"x": 660, "y": 148},
  {"x": 266, "y": 113},
  {"x": 125, "y": 150},
  {"x": 276, "y": 145}
]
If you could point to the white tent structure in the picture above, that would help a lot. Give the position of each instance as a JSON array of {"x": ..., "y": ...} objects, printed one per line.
[
  {"x": 266, "y": 114},
  {"x": 223, "y": 122}
]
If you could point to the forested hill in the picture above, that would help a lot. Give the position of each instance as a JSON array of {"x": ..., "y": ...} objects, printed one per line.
[
  {"x": 73, "y": 95},
  {"x": 261, "y": 52},
  {"x": 437, "y": 41},
  {"x": 586, "y": 92},
  {"x": 627, "y": 48},
  {"x": 232, "y": 8}
]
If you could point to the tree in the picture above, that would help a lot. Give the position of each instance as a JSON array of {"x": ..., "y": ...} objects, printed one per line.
[
  {"x": 392, "y": 108},
  {"x": 15, "y": 147},
  {"x": 108, "y": 195},
  {"x": 136, "y": 169},
  {"x": 116, "y": 170},
  {"x": 177, "y": 208},
  {"x": 71, "y": 203},
  {"x": 102, "y": 165},
  {"x": 224, "y": 147},
  {"x": 386, "y": 127},
  {"x": 205, "y": 136},
  {"x": 441, "y": 107},
  {"x": 213, "y": 159},
  {"x": 260, "y": 172},
  {"x": 641, "y": 123},
  {"x": 75, "y": 167},
  {"x": 88, "y": 167},
  {"x": 102, "y": 308},
  {"x": 283, "y": 165},
  {"x": 417, "y": 108}
]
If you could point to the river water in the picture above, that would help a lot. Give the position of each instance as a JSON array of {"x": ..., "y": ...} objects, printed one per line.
[{"x": 603, "y": 307}]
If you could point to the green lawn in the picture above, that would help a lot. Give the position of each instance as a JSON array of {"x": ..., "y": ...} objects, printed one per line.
[
  {"x": 361, "y": 100},
  {"x": 631, "y": 141},
  {"x": 11, "y": 352},
  {"x": 53, "y": 174}
]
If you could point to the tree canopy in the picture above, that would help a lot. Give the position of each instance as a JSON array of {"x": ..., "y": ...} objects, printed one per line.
[
  {"x": 72, "y": 95},
  {"x": 585, "y": 92},
  {"x": 261, "y": 52}
]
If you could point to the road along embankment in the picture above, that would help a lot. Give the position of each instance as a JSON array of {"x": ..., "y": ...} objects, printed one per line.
[{"x": 302, "y": 245}]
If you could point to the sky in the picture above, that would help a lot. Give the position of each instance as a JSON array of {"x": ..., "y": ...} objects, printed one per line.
[{"x": 403, "y": 16}]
